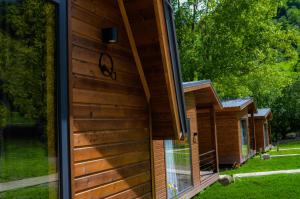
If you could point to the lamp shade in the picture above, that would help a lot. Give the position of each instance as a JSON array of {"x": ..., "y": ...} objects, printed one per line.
[{"x": 110, "y": 35}]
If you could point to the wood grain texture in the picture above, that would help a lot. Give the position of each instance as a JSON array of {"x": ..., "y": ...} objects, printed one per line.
[
  {"x": 110, "y": 120},
  {"x": 229, "y": 136},
  {"x": 259, "y": 133}
]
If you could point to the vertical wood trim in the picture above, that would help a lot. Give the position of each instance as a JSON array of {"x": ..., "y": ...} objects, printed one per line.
[
  {"x": 134, "y": 49},
  {"x": 270, "y": 133},
  {"x": 240, "y": 140},
  {"x": 165, "y": 169},
  {"x": 253, "y": 130},
  {"x": 70, "y": 92},
  {"x": 215, "y": 135},
  {"x": 151, "y": 155},
  {"x": 249, "y": 137},
  {"x": 167, "y": 64}
]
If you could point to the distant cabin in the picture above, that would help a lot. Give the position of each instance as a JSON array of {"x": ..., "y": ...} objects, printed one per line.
[
  {"x": 191, "y": 163},
  {"x": 263, "y": 129},
  {"x": 235, "y": 131}
]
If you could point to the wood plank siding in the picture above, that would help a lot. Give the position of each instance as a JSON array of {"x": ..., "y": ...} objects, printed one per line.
[
  {"x": 206, "y": 141},
  {"x": 112, "y": 120},
  {"x": 262, "y": 118},
  {"x": 229, "y": 137},
  {"x": 110, "y": 124},
  {"x": 147, "y": 21},
  {"x": 259, "y": 134},
  {"x": 229, "y": 131}
]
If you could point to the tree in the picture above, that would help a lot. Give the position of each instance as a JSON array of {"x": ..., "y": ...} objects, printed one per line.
[
  {"x": 247, "y": 48},
  {"x": 22, "y": 58},
  {"x": 240, "y": 36},
  {"x": 286, "y": 110}
]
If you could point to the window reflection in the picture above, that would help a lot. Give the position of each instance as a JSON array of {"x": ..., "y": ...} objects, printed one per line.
[
  {"x": 244, "y": 138},
  {"x": 27, "y": 100},
  {"x": 178, "y": 166}
]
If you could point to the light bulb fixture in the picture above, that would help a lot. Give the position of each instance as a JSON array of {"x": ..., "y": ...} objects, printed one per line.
[{"x": 110, "y": 35}]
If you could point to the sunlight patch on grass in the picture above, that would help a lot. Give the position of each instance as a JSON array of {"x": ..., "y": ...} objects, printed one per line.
[
  {"x": 275, "y": 186},
  {"x": 292, "y": 144},
  {"x": 292, "y": 151},
  {"x": 257, "y": 164}
]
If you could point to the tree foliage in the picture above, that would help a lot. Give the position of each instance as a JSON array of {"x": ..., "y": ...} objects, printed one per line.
[
  {"x": 247, "y": 48},
  {"x": 286, "y": 109},
  {"x": 22, "y": 61}
]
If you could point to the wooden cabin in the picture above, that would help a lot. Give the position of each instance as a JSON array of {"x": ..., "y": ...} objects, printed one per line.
[
  {"x": 190, "y": 164},
  {"x": 138, "y": 98},
  {"x": 111, "y": 86},
  {"x": 235, "y": 131},
  {"x": 263, "y": 129}
]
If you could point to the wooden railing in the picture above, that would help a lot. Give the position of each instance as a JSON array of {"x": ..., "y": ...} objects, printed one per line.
[{"x": 208, "y": 163}]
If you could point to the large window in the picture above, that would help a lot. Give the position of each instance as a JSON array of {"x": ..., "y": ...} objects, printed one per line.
[
  {"x": 28, "y": 130},
  {"x": 244, "y": 138},
  {"x": 178, "y": 166}
]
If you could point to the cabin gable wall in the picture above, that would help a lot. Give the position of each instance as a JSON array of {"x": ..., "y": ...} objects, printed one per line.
[
  {"x": 109, "y": 122},
  {"x": 259, "y": 134},
  {"x": 205, "y": 131},
  {"x": 228, "y": 137}
]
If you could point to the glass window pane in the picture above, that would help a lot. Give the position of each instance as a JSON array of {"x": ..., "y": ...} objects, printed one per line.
[
  {"x": 28, "y": 151},
  {"x": 178, "y": 166},
  {"x": 244, "y": 138}
]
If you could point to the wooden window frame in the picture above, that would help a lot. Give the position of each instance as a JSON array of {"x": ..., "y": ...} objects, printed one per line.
[{"x": 62, "y": 91}]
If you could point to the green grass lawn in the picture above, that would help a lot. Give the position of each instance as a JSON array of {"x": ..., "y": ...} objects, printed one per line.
[
  {"x": 291, "y": 144},
  {"x": 275, "y": 186},
  {"x": 46, "y": 191},
  {"x": 23, "y": 159},
  {"x": 257, "y": 164},
  {"x": 284, "y": 152}
]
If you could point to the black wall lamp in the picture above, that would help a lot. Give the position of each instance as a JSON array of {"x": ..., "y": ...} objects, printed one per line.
[
  {"x": 110, "y": 35},
  {"x": 106, "y": 64}
]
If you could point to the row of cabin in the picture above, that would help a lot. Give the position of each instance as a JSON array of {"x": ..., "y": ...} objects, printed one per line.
[
  {"x": 220, "y": 133},
  {"x": 135, "y": 130}
]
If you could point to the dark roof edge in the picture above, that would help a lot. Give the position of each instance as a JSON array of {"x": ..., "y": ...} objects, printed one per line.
[{"x": 173, "y": 47}]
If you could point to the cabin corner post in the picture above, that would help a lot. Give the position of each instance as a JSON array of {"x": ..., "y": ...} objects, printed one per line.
[
  {"x": 151, "y": 152},
  {"x": 70, "y": 98},
  {"x": 253, "y": 130},
  {"x": 270, "y": 132},
  {"x": 215, "y": 136}
]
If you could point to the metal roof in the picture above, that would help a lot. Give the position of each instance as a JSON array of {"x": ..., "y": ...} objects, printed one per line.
[
  {"x": 195, "y": 83},
  {"x": 236, "y": 102},
  {"x": 263, "y": 112}
]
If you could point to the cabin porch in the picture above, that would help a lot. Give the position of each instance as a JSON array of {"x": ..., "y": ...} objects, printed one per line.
[{"x": 206, "y": 104}]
